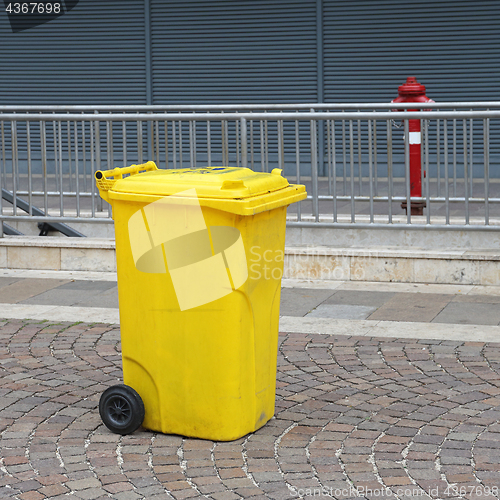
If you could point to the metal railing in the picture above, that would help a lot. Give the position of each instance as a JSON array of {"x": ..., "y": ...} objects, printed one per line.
[{"x": 353, "y": 158}]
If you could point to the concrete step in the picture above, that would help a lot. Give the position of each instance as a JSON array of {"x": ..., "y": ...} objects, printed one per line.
[
  {"x": 398, "y": 233},
  {"x": 403, "y": 264}
]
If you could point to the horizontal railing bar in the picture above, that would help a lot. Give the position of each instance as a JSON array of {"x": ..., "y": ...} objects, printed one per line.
[
  {"x": 325, "y": 197},
  {"x": 307, "y": 178},
  {"x": 194, "y": 107},
  {"x": 304, "y": 178},
  {"x": 58, "y": 193},
  {"x": 396, "y": 115},
  {"x": 320, "y": 197},
  {"x": 332, "y": 225},
  {"x": 52, "y": 218},
  {"x": 392, "y": 225}
]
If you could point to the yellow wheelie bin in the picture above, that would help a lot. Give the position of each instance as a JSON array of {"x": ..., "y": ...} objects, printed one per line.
[{"x": 199, "y": 256}]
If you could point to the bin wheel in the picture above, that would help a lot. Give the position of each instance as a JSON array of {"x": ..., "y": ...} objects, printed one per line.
[{"x": 121, "y": 409}]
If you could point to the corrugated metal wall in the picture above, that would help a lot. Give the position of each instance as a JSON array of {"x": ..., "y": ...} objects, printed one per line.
[
  {"x": 249, "y": 51},
  {"x": 93, "y": 54},
  {"x": 252, "y": 51},
  {"x": 217, "y": 52},
  {"x": 451, "y": 46}
]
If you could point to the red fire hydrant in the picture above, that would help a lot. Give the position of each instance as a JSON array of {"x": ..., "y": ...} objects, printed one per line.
[{"x": 412, "y": 91}]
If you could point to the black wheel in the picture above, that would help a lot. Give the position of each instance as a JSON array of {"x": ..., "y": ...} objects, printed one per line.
[{"x": 121, "y": 409}]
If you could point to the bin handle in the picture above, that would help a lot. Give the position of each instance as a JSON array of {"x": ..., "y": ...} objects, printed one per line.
[{"x": 105, "y": 179}]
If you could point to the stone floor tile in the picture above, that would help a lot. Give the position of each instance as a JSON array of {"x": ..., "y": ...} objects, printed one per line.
[
  {"x": 5, "y": 281},
  {"x": 360, "y": 298},
  {"x": 412, "y": 307},
  {"x": 106, "y": 298},
  {"x": 21, "y": 289},
  {"x": 88, "y": 285},
  {"x": 59, "y": 296},
  {"x": 300, "y": 301},
  {"x": 470, "y": 313},
  {"x": 341, "y": 311}
]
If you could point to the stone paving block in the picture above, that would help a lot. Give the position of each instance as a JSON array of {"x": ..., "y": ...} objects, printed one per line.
[
  {"x": 4, "y": 281},
  {"x": 226, "y": 495},
  {"x": 31, "y": 495},
  {"x": 80, "y": 484},
  {"x": 341, "y": 311},
  {"x": 22, "y": 290},
  {"x": 412, "y": 307},
  {"x": 106, "y": 298},
  {"x": 299, "y": 301},
  {"x": 360, "y": 298},
  {"x": 58, "y": 296},
  {"x": 90, "y": 493},
  {"x": 478, "y": 298},
  {"x": 470, "y": 313},
  {"x": 127, "y": 495},
  {"x": 88, "y": 285}
]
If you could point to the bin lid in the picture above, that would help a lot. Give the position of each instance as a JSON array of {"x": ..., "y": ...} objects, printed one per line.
[{"x": 232, "y": 189}]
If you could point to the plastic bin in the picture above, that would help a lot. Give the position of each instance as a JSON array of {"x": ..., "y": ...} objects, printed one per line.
[{"x": 199, "y": 258}]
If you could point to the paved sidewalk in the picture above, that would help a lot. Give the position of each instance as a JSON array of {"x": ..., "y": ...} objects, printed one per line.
[
  {"x": 358, "y": 414},
  {"x": 354, "y": 416},
  {"x": 450, "y": 312}
]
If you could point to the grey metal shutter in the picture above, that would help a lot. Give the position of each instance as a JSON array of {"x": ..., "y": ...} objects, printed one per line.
[
  {"x": 451, "y": 46},
  {"x": 227, "y": 52},
  {"x": 93, "y": 54},
  {"x": 259, "y": 51}
]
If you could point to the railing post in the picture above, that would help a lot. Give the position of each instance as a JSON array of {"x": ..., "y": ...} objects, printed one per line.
[
  {"x": 97, "y": 136},
  {"x": 150, "y": 140},
  {"x": 43, "y": 136},
  {"x": 209, "y": 144},
  {"x": 192, "y": 146},
  {"x": 314, "y": 169},
  {"x": 486, "y": 160},
  {"x": 281, "y": 146},
  {"x": 389, "y": 170},
  {"x": 1, "y": 179},
  {"x": 13, "y": 138},
  {"x": 408, "y": 172},
  {"x": 244, "y": 145},
  {"x": 139, "y": 141},
  {"x": 370, "y": 169}
]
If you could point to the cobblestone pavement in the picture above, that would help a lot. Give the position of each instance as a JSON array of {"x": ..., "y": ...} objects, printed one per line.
[{"x": 374, "y": 417}]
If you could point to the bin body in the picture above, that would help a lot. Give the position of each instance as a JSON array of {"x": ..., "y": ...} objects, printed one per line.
[{"x": 204, "y": 368}]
